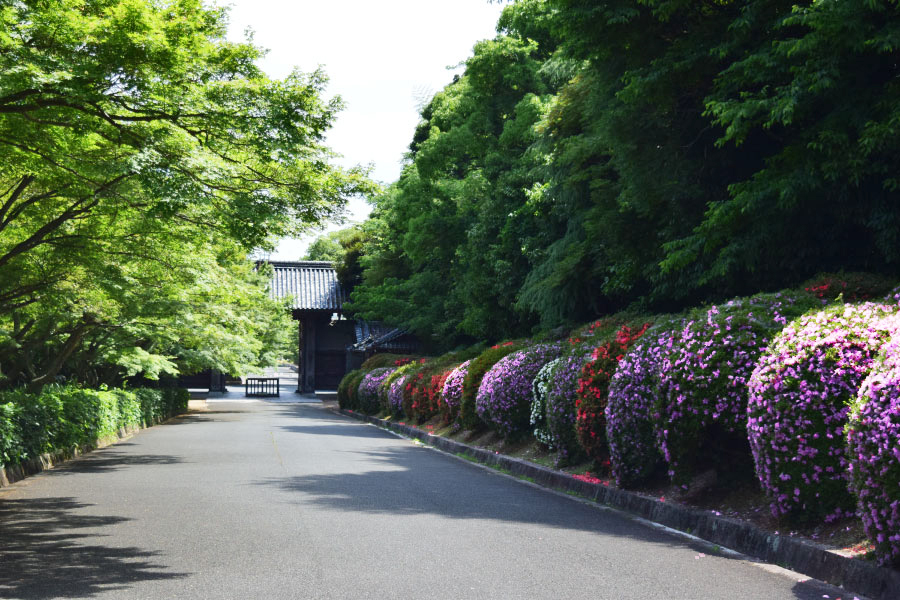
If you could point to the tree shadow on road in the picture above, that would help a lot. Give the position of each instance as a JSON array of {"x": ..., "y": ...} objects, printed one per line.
[
  {"x": 48, "y": 549},
  {"x": 112, "y": 458}
]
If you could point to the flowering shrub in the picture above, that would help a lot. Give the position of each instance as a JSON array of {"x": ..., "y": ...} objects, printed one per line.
[
  {"x": 799, "y": 401},
  {"x": 631, "y": 406},
  {"x": 561, "y": 406},
  {"x": 348, "y": 388},
  {"x": 593, "y": 385},
  {"x": 702, "y": 396},
  {"x": 468, "y": 417},
  {"x": 369, "y": 388},
  {"x": 451, "y": 394},
  {"x": 426, "y": 393},
  {"x": 850, "y": 287},
  {"x": 538, "y": 418},
  {"x": 873, "y": 453},
  {"x": 504, "y": 396},
  {"x": 395, "y": 395}
]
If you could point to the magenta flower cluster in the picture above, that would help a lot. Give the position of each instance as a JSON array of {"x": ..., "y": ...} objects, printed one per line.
[
  {"x": 367, "y": 393},
  {"x": 395, "y": 395},
  {"x": 560, "y": 409},
  {"x": 702, "y": 395},
  {"x": 800, "y": 393},
  {"x": 631, "y": 412},
  {"x": 503, "y": 400},
  {"x": 873, "y": 453},
  {"x": 451, "y": 394}
]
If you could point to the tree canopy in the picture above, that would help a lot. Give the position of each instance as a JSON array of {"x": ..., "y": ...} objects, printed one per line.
[
  {"x": 596, "y": 155},
  {"x": 142, "y": 156}
]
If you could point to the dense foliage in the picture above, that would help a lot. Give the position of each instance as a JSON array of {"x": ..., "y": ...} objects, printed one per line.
[
  {"x": 142, "y": 157},
  {"x": 561, "y": 176},
  {"x": 481, "y": 364}
]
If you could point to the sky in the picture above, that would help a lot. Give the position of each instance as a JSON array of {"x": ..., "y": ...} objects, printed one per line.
[{"x": 384, "y": 58}]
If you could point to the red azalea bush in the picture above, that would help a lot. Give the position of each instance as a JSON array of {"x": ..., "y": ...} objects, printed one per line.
[
  {"x": 800, "y": 393},
  {"x": 873, "y": 453},
  {"x": 593, "y": 385}
]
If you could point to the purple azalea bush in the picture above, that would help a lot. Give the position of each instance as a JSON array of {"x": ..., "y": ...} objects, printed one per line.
[
  {"x": 560, "y": 410},
  {"x": 702, "y": 395},
  {"x": 873, "y": 453},
  {"x": 539, "y": 403},
  {"x": 799, "y": 402},
  {"x": 451, "y": 394},
  {"x": 631, "y": 411},
  {"x": 395, "y": 395},
  {"x": 368, "y": 391},
  {"x": 503, "y": 400}
]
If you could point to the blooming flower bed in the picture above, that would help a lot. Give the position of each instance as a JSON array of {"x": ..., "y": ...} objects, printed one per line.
[
  {"x": 593, "y": 385},
  {"x": 504, "y": 396},
  {"x": 799, "y": 402},
  {"x": 873, "y": 453},
  {"x": 369, "y": 388},
  {"x": 702, "y": 395}
]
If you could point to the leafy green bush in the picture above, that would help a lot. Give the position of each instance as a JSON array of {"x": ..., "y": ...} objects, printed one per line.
[
  {"x": 10, "y": 439},
  {"x": 60, "y": 418},
  {"x": 343, "y": 391},
  {"x": 381, "y": 361}
]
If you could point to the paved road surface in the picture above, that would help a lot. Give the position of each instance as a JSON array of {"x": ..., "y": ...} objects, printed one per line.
[{"x": 277, "y": 500}]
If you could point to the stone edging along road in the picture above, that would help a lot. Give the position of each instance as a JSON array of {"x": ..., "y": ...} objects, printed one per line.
[{"x": 805, "y": 557}]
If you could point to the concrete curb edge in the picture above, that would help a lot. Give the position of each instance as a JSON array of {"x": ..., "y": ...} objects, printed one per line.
[{"x": 807, "y": 558}]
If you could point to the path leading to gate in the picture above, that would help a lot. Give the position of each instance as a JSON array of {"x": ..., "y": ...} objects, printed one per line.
[{"x": 277, "y": 500}]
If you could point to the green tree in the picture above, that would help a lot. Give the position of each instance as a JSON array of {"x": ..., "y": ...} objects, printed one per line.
[{"x": 140, "y": 155}]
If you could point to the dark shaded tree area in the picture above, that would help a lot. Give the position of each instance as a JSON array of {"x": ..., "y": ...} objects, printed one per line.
[{"x": 598, "y": 155}]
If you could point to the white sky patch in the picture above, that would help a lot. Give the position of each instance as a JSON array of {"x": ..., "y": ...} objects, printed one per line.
[{"x": 383, "y": 58}]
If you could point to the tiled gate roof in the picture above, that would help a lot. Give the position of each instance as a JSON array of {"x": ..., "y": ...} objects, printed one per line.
[{"x": 312, "y": 285}]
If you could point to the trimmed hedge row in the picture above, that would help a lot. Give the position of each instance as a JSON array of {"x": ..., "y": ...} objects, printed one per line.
[
  {"x": 755, "y": 387},
  {"x": 61, "y": 418}
]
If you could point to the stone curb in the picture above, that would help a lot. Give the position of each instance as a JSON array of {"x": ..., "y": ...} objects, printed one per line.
[
  {"x": 805, "y": 557},
  {"x": 11, "y": 474}
]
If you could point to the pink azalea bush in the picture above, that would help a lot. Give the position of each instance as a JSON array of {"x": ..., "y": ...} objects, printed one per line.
[
  {"x": 631, "y": 410},
  {"x": 451, "y": 395},
  {"x": 873, "y": 453},
  {"x": 799, "y": 402},
  {"x": 368, "y": 391},
  {"x": 503, "y": 400},
  {"x": 702, "y": 395}
]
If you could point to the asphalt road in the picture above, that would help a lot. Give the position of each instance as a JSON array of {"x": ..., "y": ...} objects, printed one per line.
[{"x": 276, "y": 500}]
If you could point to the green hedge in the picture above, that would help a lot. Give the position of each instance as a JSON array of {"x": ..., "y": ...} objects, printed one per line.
[{"x": 60, "y": 418}]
